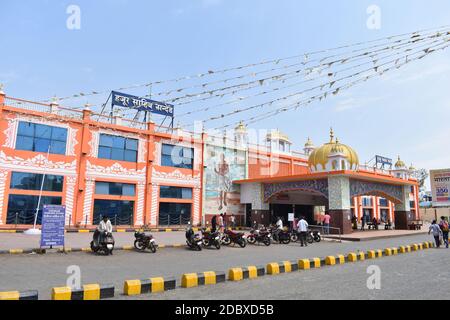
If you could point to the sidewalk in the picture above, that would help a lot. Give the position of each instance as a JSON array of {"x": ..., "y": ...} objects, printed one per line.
[
  {"x": 82, "y": 240},
  {"x": 380, "y": 234}
]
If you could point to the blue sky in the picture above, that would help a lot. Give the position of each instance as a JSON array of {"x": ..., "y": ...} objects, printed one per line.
[{"x": 123, "y": 42}]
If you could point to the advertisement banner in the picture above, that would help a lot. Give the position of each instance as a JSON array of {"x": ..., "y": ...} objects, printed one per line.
[
  {"x": 53, "y": 221},
  {"x": 440, "y": 186},
  {"x": 383, "y": 161}
]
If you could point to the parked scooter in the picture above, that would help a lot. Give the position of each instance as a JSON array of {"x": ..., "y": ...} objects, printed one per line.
[
  {"x": 211, "y": 239},
  {"x": 144, "y": 241},
  {"x": 105, "y": 244},
  {"x": 260, "y": 236},
  {"x": 230, "y": 237},
  {"x": 314, "y": 235},
  {"x": 193, "y": 240}
]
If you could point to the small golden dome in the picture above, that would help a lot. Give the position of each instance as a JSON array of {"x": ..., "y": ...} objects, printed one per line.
[
  {"x": 320, "y": 155},
  {"x": 241, "y": 127},
  {"x": 309, "y": 143},
  {"x": 277, "y": 135},
  {"x": 400, "y": 164},
  {"x": 411, "y": 168}
]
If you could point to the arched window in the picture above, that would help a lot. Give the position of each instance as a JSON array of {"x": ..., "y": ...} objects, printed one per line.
[{"x": 343, "y": 165}]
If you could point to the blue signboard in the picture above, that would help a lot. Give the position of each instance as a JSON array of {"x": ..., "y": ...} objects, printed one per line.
[
  {"x": 142, "y": 104},
  {"x": 53, "y": 221},
  {"x": 383, "y": 161}
]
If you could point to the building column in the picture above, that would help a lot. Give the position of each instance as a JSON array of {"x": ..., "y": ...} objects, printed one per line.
[
  {"x": 402, "y": 212},
  {"x": 260, "y": 209},
  {"x": 339, "y": 203}
]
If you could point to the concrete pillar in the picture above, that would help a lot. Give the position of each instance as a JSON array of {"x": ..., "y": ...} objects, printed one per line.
[
  {"x": 402, "y": 213},
  {"x": 339, "y": 203}
]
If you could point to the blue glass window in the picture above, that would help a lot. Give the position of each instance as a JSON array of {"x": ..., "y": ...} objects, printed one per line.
[
  {"x": 22, "y": 208},
  {"x": 176, "y": 156},
  {"x": 119, "y": 212},
  {"x": 174, "y": 213},
  {"x": 117, "y": 148},
  {"x": 115, "y": 189},
  {"x": 33, "y": 181},
  {"x": 41, "y": 138},
  {"x": 175, "y": 192}
]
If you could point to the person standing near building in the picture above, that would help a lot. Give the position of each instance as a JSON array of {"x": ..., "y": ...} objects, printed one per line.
[
  {"x": 233, "y": 221},
  {"x": 444, "y": 228},
  {"x": 302, "y": 229},
  {"x": 326, "y": 223},
  {"x": 436, "y": 230},
  {"x": 363, "y": 222},
  {"x": 222, "y": 170},
  {"x": 221, "y": 224},
  {"x": 214, "y": 223}
]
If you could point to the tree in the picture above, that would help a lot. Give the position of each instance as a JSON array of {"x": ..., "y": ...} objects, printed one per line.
[{"x": 421, "y": 175}]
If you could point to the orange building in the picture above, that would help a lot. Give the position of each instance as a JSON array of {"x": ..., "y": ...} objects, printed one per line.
[{"x": 142, "y": 174}]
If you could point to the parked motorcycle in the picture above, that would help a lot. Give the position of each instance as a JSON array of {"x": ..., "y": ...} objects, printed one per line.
[
  {"x": 316, "y": 235},
  {"x": 193, "y": 240},
  {"x": 260, "y": 236},
  {"x": 105, "y": 244},
  {"x": 281, "y": 236},
  {"x": 211, "y": 239},
  {"x": 144, "y": 241},
  {"x": 230, "y": 237}
]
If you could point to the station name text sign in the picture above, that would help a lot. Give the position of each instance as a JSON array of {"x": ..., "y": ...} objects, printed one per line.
[{"x": 142, "y": 104}]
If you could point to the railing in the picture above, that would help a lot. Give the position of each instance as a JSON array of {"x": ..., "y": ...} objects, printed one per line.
[
  {"x": 42, "y": 107},
  {"x": 328, "y": 229},
  {"x": 174, "y": 220}
]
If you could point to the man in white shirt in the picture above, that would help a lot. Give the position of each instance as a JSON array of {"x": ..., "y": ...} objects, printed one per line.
[
  {"x": 302, "y": 228},
  {"x": 104, "y": 226}
]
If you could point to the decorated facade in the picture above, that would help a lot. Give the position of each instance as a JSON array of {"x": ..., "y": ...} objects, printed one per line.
[{"x": 141, "y": 174}]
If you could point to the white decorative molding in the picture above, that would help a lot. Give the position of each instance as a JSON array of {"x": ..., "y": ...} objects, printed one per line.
[
  {"x": 157, "y": 153},
  {"x": 71, "y": 182},
  {"x": 140, "y": 203},
  {"x": 71, "y": 142},
  {"x": 176, "y": 177},
  {"x": 88, "y": 199},
  {"x": 93, "y": 144},
  {"x": 37, "y": 164},
  {"x": 154, "y": 206},
  {"x": 196, "y": 207},
  {"x": 11, "y": 133},
  {"x": 3, "y": 178},
  {"x": 116, "y": 171},
  {"x": 142, "y": 150}
]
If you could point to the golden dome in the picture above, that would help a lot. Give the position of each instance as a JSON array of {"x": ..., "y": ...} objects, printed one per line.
[
  {"x": 411, "y": 168},
  {"x": 320, "y": 155},
  {"x": 277, "y": 135},
  {"x": 400, "y": 163},
  {"x": 309, "y": 143},
  {"x": 241, "y": 127}
]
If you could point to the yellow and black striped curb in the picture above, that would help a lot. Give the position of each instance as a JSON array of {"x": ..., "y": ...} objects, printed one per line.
[
  {"x": 151, "y": 285},
  {"x": 249, "y": 272},
  {"x": 306, "y": 264},
  {"x": 281, "y": 267},
  {"x": 88, "y": 292},
  {"x": 189, "y": 280},
  {"x": 19, "y": 295}
]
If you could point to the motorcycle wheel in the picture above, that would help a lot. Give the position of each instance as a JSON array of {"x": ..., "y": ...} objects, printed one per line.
[
  {"x": 310, "y": 239},
  {"x": 199, "y": 248},
  {"x": 267, "y": 242},
  {"x": 286, "y": 241},
  {"x": 152, "y": 248},
  {"x": 242, "y": 243},
  {"x": 251, "y": 239},
  {"x": 294, "y": 237},
  {"x": 217, "y": 245},
  {"x": 93, "y": 249},
  {"x": 317, "y": 238},
  {"x": 138, "y": 245},
  {"x": 205, "y": 242},
  {"x": 226, "y": 240}
]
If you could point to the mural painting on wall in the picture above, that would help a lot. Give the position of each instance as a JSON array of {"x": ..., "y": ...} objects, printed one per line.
[{"x": 223, "y": 165}]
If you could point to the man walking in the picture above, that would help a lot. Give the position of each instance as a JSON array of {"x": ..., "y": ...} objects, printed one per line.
[
  {"x": 436, "y": 230},
  {"x": 221, "y": 224},
  {"x": 214, "y": 223},
  {"x": 444, "y": 228},
  {"x": 326, "y": 223},
  {"x": 302, "y": 228}
]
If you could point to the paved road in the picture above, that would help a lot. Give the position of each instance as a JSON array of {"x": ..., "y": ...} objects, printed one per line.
[
  {"x": 42, "y": 272},
  {"x": 420, "y": 275}
]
